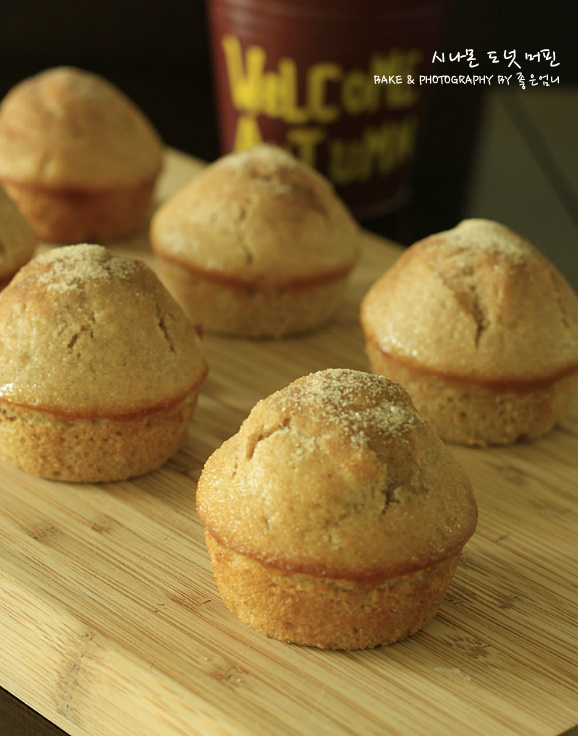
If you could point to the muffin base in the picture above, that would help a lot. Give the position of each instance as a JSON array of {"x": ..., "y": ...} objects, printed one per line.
[
  {"x": 82, "y": 215},
  {"x": 329, "y": 614},
  {"x": 251, "y": 311},
  {"x": 91, "y": 450},
  {"x": 466, "y": 413}
]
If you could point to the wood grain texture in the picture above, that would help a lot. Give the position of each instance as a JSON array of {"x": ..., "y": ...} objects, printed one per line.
[{"x": 111, "y": 624}]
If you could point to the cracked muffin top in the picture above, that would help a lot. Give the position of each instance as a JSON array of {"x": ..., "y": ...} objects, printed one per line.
[
  {"x": 338, "y": 476},
  {"x": 89, "y": 334},
  {"x": 258, "y": 217},
  {"x": 475, "y": 302}
]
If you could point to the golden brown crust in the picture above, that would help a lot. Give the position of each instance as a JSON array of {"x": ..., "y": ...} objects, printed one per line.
[
  {"x": 325, "y": 613},
  {"x": 74, "y": 149},
  {"x": 17, "y": 239},
  {"x": 222, "y": 306},
  {"x": 335, "y": 478},
  {"x": 476, "y": 318},
  {"x": 92, "y": 450},
  {"x": 257, "y": 222},
  {"x": 69, "y": 216},
  {"x": 99, "y": 367},
  {"x": 332, "y": 472},
  {"x": 478, "y": 414}
]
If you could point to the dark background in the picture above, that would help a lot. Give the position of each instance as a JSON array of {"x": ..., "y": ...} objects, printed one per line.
[{"x": 159, "y": 54}]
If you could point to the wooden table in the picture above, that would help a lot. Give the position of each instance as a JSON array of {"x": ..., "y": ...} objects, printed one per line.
[{"x": 111, "y": 624}]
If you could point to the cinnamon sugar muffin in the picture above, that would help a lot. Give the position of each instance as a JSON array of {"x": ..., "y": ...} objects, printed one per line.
[
  {"x": 99, "y": 367},
  {"x": 481, "y": 329},
  {"x": 335, "y": 517},
  {"x": 17, "y": 239},
  {"x": 258, "y": 245},
  {"x": 77, "y": 156}
]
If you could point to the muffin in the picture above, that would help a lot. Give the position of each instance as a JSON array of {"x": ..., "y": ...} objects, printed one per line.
[
  {"x": 17, "y": 239},
  {"x": 335, "y": 517},
  {"x": 258, "y": 245},
  {"x": 77, "y": 156},
  {"x": 482, "y": 331},
  {"x": 99, "y": 367}
]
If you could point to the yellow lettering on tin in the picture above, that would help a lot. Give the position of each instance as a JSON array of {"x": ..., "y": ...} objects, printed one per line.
[
  {"x": 318, "y": 77},
  {"x": 381, "y": 149},
  {"x": 273, "y": 95},
  {"x": 356, "y": 92},
  {"x": 291, "y": 112},
  {"x": 306, "y": 141},
  {"x": 329, "y": 93},
  {"x": 244, "y": 82},
  {"x": 277, "y": 95},
  {"x": 253, "y": 90},
  {"x": 392, "y": 143},
  {"x": 247, "y": 133}
]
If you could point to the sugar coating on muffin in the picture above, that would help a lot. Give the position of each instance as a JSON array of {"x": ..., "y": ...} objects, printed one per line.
[
  {"x": 481, "y": 329},
  {"x": 258, "y": 245},
  {"x": 77, "y": 155},
  {"x": 17, "y": 239},
  {"x": 99, "y": 367},
  {"x": 335, "y": 517}
]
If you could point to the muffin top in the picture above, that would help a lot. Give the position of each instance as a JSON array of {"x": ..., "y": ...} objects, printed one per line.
[
  {"x": 260, "y": 216},
  {"x": 88, "y": 334},
  {"x": 476, "y": 302},
  {"x": 17, "y": 239},
  {"x": 69, "y": 128},
  {"x": 337, "y": 476}
]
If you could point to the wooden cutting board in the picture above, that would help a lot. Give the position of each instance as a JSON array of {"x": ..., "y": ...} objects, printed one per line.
[{"x": 111, "y": 624}]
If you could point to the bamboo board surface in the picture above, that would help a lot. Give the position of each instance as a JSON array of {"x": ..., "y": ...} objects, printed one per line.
[{"x": 111, "y": 624}]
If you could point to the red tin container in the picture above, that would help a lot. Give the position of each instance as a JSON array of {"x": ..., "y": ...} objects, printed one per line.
[{"x": 303, "y": 74}]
